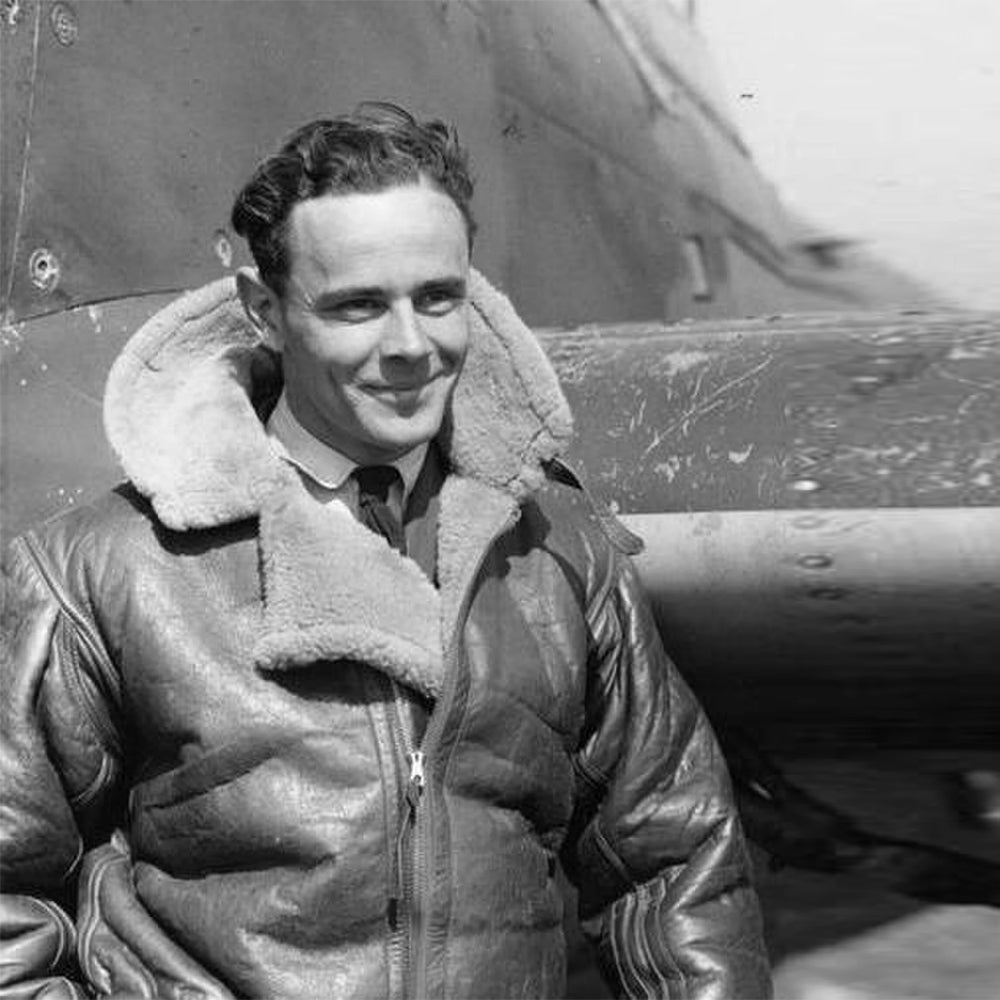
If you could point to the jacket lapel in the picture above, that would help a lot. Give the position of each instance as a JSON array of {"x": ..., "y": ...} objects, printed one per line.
[{"x": 333, "y": 590}]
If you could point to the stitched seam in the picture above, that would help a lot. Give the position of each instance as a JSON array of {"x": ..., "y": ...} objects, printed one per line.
[
  {"x": 87, "y": 961},
  {"x": 640, "y": 954},
  {"x": 72, "y": 988},
  {"x": 85, "y": 634},
  {"x": 623, "y": 917},
  {"x": 97, "y": 783},
  {"x": 463, "y": 725},
  {"x": 89, "y": 929},
  {"x": 611, "y": 857},
  {"x": 615, "y": 950},
  {"x": 65, "y": 929},
  {"x": 590, "y": 773},
  {"x": 389, "y": 812},
  {"x": 659, "y": 893},
  {"x": 597, "y": 605},
  {"x": 645, "y": 966},
  {"x": 82, "y": 698},
  {"x": 75, "y": 863}
]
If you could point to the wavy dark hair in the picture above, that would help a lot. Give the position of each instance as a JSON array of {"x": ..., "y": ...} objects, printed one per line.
[{"x": 377, "y": 146}]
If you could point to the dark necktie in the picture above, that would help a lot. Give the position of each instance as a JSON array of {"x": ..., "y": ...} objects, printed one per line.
[{"x": 374, "y": 484}]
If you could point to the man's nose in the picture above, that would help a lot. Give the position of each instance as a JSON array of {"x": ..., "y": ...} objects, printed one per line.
[{"x": 405, "y": 337}]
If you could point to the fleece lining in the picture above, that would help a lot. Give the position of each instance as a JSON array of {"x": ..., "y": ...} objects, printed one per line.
[{"x": 180, "y": 416}]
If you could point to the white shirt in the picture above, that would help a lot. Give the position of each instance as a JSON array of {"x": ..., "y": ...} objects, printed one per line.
[{"x": 326, "y": 471}]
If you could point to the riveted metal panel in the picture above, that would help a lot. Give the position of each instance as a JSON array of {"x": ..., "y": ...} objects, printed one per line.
[
  {"x": 854, "y": 628},
  {"x": 129, "y": 127},
  {"x": 849, "y": 410},
  {"x": 145, "y": 127}
]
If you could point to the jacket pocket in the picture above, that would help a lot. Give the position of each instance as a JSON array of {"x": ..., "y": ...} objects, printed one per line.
[
  {"x": 121, "y": 949},
  {"x": 262, "y": 801}
]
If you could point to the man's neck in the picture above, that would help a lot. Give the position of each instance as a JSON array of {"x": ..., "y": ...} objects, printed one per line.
[{"x": 327, "y": 466}]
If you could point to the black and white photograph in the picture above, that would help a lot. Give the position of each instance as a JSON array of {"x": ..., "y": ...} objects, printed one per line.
[{"x": 500, "y": 499}]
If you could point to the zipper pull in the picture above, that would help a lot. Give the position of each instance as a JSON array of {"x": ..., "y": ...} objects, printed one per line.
[{"x": 415, "y": 786}]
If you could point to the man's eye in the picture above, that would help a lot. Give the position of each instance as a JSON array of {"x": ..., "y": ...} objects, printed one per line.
[
  {"x": 439, "y": 301},
  {"x": 355, "y": 310}
]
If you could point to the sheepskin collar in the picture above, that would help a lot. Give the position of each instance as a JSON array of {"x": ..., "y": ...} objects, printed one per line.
[{"x": 181, "y": 413}]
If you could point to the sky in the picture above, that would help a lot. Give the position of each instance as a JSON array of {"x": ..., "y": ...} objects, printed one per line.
[{"x": 877, "y": 119}]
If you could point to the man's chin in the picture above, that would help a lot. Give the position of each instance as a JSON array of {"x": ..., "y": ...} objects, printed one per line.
[{"x": 395, "y": 444}]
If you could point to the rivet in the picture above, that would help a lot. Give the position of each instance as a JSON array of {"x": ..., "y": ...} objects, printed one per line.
[
  {"x": 62, "y": 19},
  {"x": 827, "y": 593},
  {"x": 805, "y": 486},
  {"x": 865, "y": 385},
  {"x": 808, "y": 522},
  {"x": 43, "y": 266},
  {"x": 816, "y": 561},
  {"x": 223, "y": 248},
  {"x": 10, "y": 337},
  {"x": 11, "y": 13}
]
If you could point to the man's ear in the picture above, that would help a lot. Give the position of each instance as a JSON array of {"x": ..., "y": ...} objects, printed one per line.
[{"x": 262, "y": 307}]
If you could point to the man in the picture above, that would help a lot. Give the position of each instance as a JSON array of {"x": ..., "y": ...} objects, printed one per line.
[{"x": 312, "y": 705}]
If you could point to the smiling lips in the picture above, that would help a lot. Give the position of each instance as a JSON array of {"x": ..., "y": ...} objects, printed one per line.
[
  {"x": 400, "y": 388},
  {"x": 406, "y": 394}
]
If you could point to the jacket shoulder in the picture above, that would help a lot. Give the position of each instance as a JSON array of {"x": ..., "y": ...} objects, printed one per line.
[
  {"x": 567, "y": 504},
  {"x": 88, "y": 553},
  {"x": 120, "y": 511},
  {"x": 73, "y": 548}
]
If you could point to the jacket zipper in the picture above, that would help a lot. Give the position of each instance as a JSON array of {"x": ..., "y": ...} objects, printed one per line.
[
  {"x": 412, "y": 790},
  {"x": 421, "y": 819},
  {"x": 401, "y": 887}
]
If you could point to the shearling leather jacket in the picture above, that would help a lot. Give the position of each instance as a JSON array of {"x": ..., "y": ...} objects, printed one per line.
[{"x": 256, "y": 752}]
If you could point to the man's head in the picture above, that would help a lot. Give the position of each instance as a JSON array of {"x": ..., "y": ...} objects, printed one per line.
[
  {"x": 376, "y": 147},
  {"x": 361, "y": 230}
]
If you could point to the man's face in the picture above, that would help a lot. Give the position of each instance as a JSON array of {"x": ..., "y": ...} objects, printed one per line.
[{"x": 373, "y": 325}]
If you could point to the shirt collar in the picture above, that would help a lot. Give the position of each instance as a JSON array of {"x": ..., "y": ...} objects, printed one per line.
[{"x": 324, "y": 465}]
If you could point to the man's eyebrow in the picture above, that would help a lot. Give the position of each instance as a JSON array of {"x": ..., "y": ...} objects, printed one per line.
[
  {"x": 455, "y": 284},
  {"x": 450, "y": 284},
  {"x": 333, "y": 295}
]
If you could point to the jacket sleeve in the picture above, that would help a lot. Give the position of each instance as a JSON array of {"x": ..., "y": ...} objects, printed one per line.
[
  {"x": 656, "y": 847},
  {"x": 58, "y": 769}
]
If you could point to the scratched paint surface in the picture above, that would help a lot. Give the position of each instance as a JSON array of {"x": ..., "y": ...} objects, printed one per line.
[
  {"x": 848, "y": 410},
  {"x": 52, "y": 372},
  {"x": 127, "y": 131}
]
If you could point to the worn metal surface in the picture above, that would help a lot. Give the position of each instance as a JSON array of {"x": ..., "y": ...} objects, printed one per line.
[
  {"x": 52, "y": 371},
  {"x": 797, "y": 412},
  {"x": 858, "y": 628},
  {"x": 128, "y": 127}
]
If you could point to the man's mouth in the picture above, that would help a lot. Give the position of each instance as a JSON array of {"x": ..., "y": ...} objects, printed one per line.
[
  {"x": 402, "y": 389},
  {"x": 404, "y": 394}
]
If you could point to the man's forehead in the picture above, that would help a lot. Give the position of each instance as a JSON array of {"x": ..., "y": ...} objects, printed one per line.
[
  {"x": 413, "y": 227},
  {"x": 355, "y": 221},
  {"x": 360, "y": 214}
]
